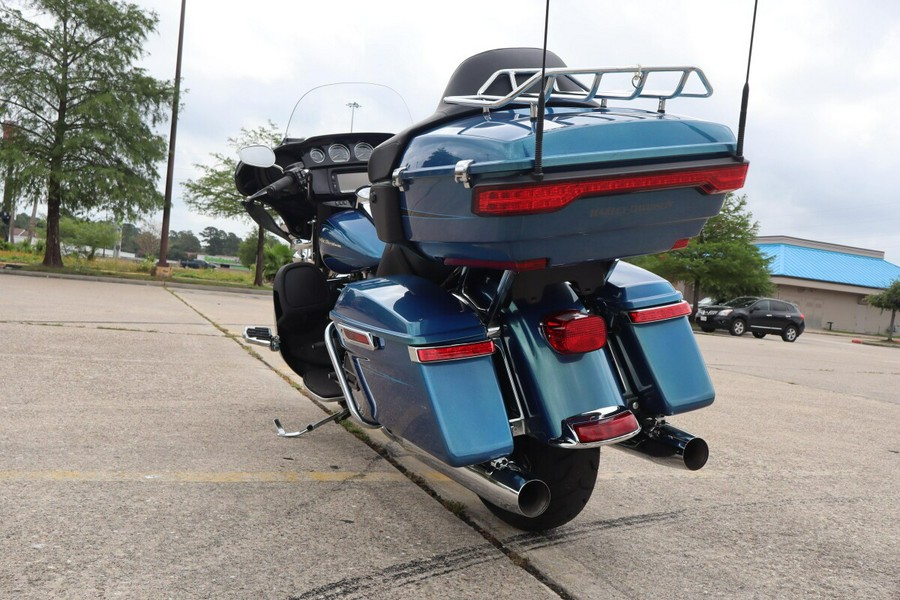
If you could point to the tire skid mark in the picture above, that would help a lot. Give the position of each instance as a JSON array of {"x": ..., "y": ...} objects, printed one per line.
[
  {"x": 403, "y": 574},
  {"x": 409, "y": 573}
]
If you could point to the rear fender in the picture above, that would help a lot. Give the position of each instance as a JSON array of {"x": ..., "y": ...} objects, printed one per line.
[{"x": 554, "y": 386}]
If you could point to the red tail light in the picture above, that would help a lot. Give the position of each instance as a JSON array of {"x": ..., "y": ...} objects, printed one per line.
[
  {"x": 455, "y": 352},
  {"x": 574, "y": 332},
  {"x": 660, "y": 313},
  {"x": 537, "y": 198},
  {"x": 610, "y": 428}
]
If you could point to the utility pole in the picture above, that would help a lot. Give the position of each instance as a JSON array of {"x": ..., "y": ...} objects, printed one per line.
[
  {"x": 167, "y": 205},
  {"x": 8, "y": 208}
]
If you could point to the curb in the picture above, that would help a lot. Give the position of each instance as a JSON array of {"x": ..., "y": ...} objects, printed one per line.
[{"x": 7, "y": 270}]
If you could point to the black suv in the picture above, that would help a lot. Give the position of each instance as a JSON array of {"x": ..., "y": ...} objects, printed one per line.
[{"x": 759, "y": 315}]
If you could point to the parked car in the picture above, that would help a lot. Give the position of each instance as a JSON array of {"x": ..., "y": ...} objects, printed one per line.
[
  {"x": 197, "y": 263},
  {"x": 760, "y": 316}
]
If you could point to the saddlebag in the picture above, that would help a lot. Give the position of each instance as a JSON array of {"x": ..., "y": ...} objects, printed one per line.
[
  {"x": 659, "y": 357},
  {"x": 424, "y": 368}
]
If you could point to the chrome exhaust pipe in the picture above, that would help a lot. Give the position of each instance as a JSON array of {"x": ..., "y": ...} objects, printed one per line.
[
  {"x": 668, "y": 446},
  {"x": 500, "y": 482}
]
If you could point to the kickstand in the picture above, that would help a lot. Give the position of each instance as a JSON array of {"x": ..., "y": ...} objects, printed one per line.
[{"x": 332, "y": 417}]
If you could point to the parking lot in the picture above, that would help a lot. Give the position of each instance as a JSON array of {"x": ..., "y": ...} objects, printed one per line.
[{"x": 138, "y": 460}]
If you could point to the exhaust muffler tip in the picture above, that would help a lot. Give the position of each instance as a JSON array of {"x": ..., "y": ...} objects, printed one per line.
[
  {"x": 695, "y": 454},
  {"x": 533, "y": 498},
  {"x": 669, "y": 446}
]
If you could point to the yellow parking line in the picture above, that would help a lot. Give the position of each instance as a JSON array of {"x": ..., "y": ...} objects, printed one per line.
[{"x": 200, "y": 476}]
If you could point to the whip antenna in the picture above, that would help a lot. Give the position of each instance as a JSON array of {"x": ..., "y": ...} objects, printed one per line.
[
  {"x": 539, "y": 133},
  {"x": 742, "y": 124}
]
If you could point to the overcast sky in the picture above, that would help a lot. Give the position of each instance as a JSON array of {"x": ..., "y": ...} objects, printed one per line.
[{"x": 823, "y": 136}]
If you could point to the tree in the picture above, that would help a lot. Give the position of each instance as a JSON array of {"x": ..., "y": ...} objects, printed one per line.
[
  {"x": 183, "y": 245},
  {"x": 87, "y": 236},
  {"x": 215, "y": 194},
  {"x": 722, "y": 260},
  {"x": 215, "y": 240},
  {"x": 84, "y": 113},
  {"x": 147, "y": 240},
  {"x": 889, "y": 299},
  {"x": 129, "y": 234}
]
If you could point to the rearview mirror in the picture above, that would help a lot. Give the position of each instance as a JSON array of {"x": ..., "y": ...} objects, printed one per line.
[{"x": 257, "y": 156}]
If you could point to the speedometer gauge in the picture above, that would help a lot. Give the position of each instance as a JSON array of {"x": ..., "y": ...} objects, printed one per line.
[
  {"x": 362, "y": 151},
  {"x": 339, "y": 153}
]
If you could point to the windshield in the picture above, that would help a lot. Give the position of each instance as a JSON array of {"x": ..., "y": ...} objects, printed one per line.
[
  {"x": 348, "y": 108},
  {"x": 741, "y": 302}
]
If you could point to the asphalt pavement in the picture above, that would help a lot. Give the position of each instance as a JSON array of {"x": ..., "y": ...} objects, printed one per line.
[{"x": 138, "y": 460}]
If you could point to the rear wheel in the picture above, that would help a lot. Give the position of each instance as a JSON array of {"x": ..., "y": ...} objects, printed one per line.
[
  {"x": 790, "y": 333},
  {"x": 570, "y": 475},
  {"x": 738, "y": 327},
  {"x": 759, "y": 335}
]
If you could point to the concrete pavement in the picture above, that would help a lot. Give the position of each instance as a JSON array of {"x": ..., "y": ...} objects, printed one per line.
[{"x": 138, "y": 459}]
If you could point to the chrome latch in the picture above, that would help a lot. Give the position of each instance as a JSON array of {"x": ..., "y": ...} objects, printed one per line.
[
  {"x": 397, "y": 179},
  {"x": 461, "y": 173}
]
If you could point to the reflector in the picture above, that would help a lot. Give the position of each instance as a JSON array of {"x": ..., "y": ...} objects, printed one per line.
[
  {"x": 532, "y": 264},
  {"x": 455, "y": 352},
  {"x": 606, "y": 429},
  {"x": 660, "y": 313}
]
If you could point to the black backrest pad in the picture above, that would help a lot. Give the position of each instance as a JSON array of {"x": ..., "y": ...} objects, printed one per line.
[{"x": 466, "y": 80}]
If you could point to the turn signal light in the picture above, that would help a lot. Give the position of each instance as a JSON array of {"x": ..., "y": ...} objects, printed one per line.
[
  {"x": 574, "y": 332},
  {"x": 538, "y": 198},
  {"x": 660, "y": 313},
  {"x": 607, "y": 429},
  {"x": 455, "y": 352}
]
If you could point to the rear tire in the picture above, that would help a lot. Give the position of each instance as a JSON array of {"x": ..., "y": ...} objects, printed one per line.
[
  {"x": 759, "y": 335},
  {"x": 570, "y": 475},
  {"x": 790, "y": 333},
  {"x": 738, "y": 327}
]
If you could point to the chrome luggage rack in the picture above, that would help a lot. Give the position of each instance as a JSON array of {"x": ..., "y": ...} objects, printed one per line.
[{"x": 640, "y": 77}]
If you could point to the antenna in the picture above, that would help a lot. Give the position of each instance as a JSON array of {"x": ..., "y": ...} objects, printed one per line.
[
  {"x": 538, "y": 172},
  {"x": 742, "y": 124}
]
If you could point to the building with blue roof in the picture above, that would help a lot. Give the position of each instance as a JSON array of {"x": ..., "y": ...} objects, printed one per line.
[{"x": 830, "y": 282}]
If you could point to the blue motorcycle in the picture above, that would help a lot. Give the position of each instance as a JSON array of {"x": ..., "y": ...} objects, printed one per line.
[{"x": 461, "y": 287}]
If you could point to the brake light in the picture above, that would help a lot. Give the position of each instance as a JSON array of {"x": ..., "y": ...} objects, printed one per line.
[
  {"x": 660, "y": 313},
  {"x": 533, "y": 264},
  {"x": 682, "y": 243},
  {"x": 538, "y": 198},
  {"x": 574, "y": 332},
  {"x": 454, "y": 352},
  {"x": 610, "y": 428}
]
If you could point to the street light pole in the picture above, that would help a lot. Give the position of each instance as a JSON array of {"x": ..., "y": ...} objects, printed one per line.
[
  {"x": 352, "y": 106},
  {"x": 167, "y": 203}
]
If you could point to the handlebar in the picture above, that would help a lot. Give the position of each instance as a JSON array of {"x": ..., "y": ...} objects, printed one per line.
[{"x": 292, "y": 182}]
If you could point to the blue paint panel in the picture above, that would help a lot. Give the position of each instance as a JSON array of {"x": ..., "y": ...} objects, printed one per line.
[
  {"x": 453, "y": 410},
  {"x": 348, "y": 242}
]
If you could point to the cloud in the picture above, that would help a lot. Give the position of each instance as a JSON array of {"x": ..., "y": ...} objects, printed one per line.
[{"x": 822, "y": 137}]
